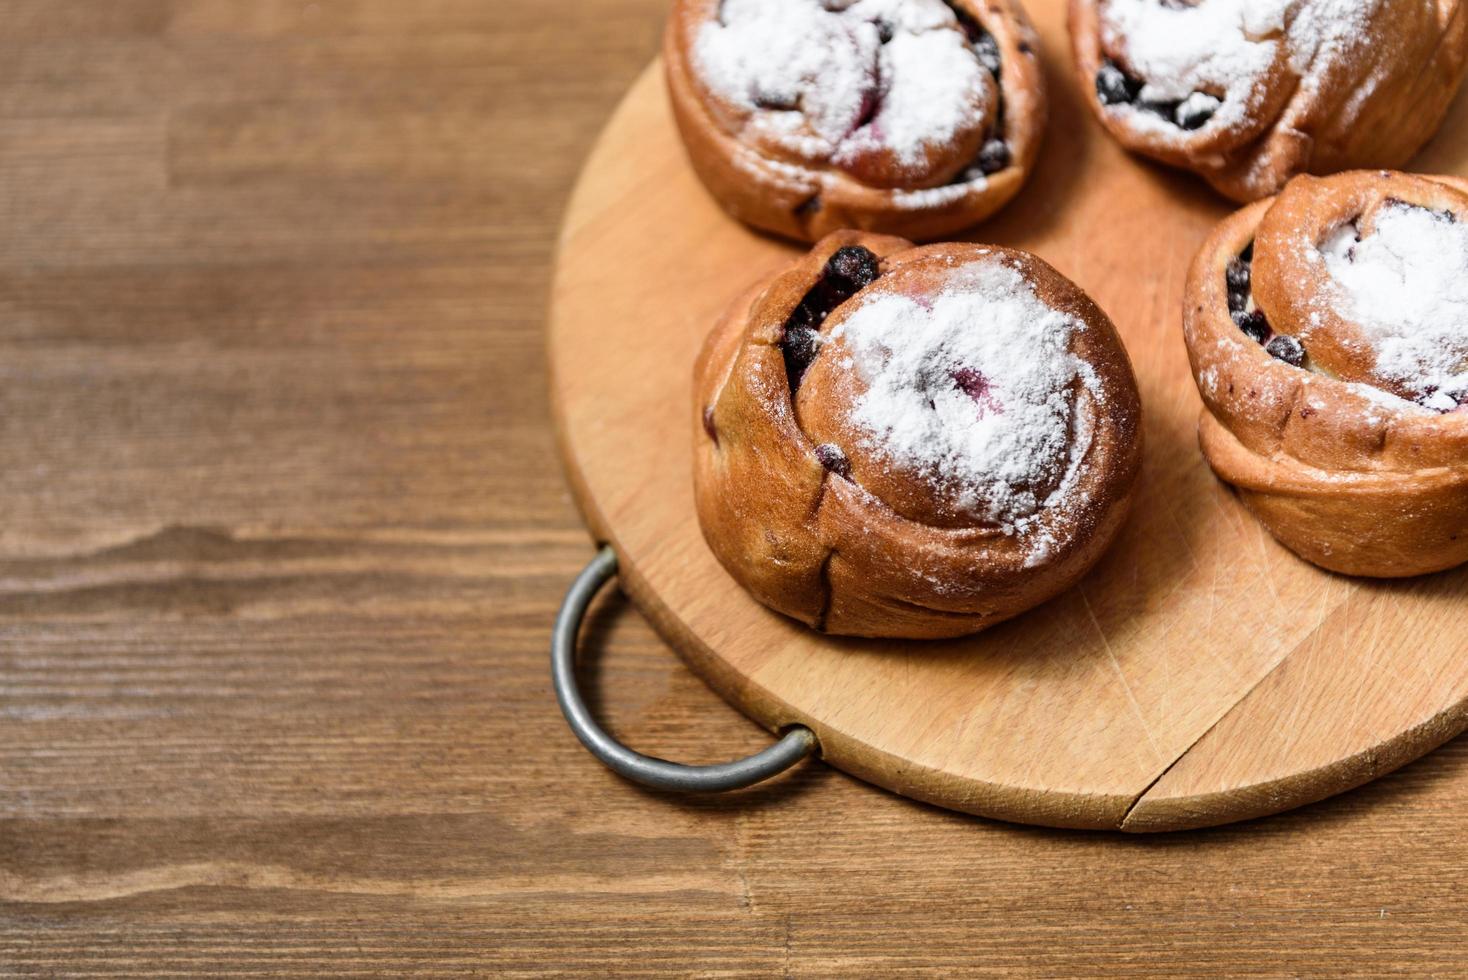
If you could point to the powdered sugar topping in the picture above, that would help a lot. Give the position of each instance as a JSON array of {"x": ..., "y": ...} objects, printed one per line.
[
  {"x": 975, "y": 390},
  {"x": 839, "y": 81},
  {"x": 1406, "y": 285},
  {"x": 1225, "y": 49}
]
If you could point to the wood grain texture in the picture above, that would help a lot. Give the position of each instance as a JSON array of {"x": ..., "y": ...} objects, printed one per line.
[
  {"x": 1196, "y": 676},
  {"x": 283, "y": 531}
]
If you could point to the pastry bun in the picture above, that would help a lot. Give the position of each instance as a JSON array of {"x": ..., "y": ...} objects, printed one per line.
[
  {"x": 906, "y": 441},
  {"x": 1327, "y": 336},
  {"x": 803, "y": 117},
  {"x": 1249, "y": 93}
]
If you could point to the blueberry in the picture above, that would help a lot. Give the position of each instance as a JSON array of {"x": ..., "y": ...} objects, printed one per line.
[
  {"x": 1193, "y": 113},
  {"x": 814, "y": 308},
  {"x": 1238, "y": 274},
  {"x": 829, "y": 455},
  {"x": 986, "y": 49},
  {"x": 1254, "y": 324},
  {"x": 776, "y": 100},
  {"x": 799, "y": 347},
  {"x": 994, "y": 157},
  {"x": 1167, "y": 110},
  {"x": 1237, "y": 277},
  {"x": 802, "y": 317},
  {"x": 1443, "y": 399},
  {"x": 1287, "y": 349},
  {"x": 884, "y": 31},
  {"x": 801, "y": 343},
  {"x": 1113, "y": 86},
  {"x": 708, "y": 424},
  {"x": 851, "y": 268}
]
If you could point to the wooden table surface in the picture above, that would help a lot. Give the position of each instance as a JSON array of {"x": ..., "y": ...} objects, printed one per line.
[{"x": 282, "y": 531}]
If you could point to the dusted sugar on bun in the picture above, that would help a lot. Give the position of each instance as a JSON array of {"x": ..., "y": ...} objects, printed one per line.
[
  {"x": 913, "y": 442},
  {"x": 1249, "y": 93},
  {"x": 807, "y": 116},
  {"x": 1383, "y": 298},
  {"x": 1328, "y": 333},
  {"x": 962, "y": 402}
]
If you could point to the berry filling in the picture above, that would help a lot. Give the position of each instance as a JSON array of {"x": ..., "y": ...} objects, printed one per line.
[
  {"x": 994, "y": 157},
  {"x": 1115, "y": 86},
  {"x": 995, "y": 154},
  {"x": 1194, "y": 111},
  {"x": 1237, "y": 280},
  {"x": 973, "y": 383},
  {"x": 799, "y": 347},
  {"x": 829, "y": 455},
  {"x": 1254, "y": 324},
  {"x": 849, "y": 270},
  {"x": 1237, "y": 276},
  {"x": 1287, "y": 349},
  {"x": 986, "y": 49},
  {"x": 775, "y": 100}
]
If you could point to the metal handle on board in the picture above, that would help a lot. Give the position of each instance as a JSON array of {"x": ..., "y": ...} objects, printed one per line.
[{"x": 796, "y": 744}]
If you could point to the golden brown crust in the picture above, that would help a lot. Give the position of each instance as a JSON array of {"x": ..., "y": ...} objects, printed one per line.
[
  {"x": 1346, "y": 478},
  {"x": 806, "y": 203},
  {"x": 1373, "y": 107},
  {"x": 829, "y": 549}
]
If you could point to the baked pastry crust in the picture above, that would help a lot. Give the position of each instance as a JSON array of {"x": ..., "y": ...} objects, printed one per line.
[
  {"x": 854, "y": 548},
  {"x": 806, "y": 199},
  {"x": 1347, "y": 477},
  {"x": 1369, "y": 97}
]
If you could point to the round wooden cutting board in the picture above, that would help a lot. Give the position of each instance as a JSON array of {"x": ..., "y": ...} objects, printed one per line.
[{"x": 1200, "y": 674}]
